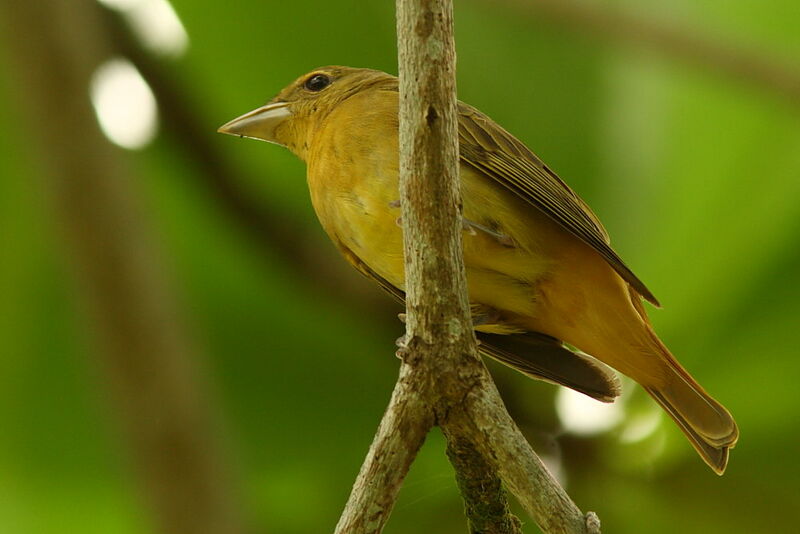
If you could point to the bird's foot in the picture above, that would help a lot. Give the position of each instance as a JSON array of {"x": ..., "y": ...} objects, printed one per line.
[{"x": 402, "y": 347}]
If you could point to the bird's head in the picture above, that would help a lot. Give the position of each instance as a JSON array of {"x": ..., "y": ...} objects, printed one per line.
[{"x": 291, "y": 118}]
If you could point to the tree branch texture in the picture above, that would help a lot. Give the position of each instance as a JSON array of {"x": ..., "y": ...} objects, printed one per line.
[
  {"x": 442, "y": 379},
  {"x": 400, "y": 435}
]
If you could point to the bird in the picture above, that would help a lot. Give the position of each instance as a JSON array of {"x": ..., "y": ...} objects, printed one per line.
[{"x": 548, "y": 295}]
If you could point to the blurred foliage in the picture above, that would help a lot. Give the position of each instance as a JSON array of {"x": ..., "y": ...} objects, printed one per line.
[{"x": 697, "y": 179}]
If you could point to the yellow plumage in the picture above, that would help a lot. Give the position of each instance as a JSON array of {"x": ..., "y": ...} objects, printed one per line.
[{"x": 540, "y": 270}]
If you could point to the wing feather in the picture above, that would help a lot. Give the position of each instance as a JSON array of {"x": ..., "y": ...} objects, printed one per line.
[
  {"x": 533, "y": 354},
  {"x": 489, "y": 149}
]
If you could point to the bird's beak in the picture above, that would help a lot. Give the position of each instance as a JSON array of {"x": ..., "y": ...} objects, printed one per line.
[{"x": 259, "y": 123}]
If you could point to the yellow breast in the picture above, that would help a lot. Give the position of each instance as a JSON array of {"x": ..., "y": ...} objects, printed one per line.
[{"x": 353, "y": 179}]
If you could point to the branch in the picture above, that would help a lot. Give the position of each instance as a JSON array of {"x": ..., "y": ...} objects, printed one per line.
[
  {"x": 400, "y": 435},
  {"x": 440, "y": 341},
  {"x": 485, "y": 501},
  {"x": 440, "y": 338},
  {"x": 442, "y": 379},
  {"x": 497, "y": 436},
  {"x": 614, "y": 26}
]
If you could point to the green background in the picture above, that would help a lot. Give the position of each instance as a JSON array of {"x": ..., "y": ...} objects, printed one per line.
[{"x": 696, "y": 176}]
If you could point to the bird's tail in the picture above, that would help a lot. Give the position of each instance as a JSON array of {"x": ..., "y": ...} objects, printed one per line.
[{"x": 708, "y": 425}]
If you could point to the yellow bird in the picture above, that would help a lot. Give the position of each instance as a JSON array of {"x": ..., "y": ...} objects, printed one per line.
[{"x": 540, "y": 270}]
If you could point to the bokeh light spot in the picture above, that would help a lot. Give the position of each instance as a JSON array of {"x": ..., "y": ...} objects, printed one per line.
[
  {"x": 124, "y": 104},
  {"x": 585, "y": 416},
  {"x": 155, "y": 23},
  {"x": 641, "y": 426}
]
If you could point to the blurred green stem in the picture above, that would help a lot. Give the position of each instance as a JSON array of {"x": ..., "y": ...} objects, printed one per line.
[{"x": 149, "y": 360}]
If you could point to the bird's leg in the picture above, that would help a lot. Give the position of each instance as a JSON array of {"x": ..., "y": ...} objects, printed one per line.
[
  {"x": 472, "y": 228},
  {"x": 400, "y": 342}
]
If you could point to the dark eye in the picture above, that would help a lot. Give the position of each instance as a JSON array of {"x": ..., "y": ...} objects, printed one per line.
[{"x": 317, "y": 82}]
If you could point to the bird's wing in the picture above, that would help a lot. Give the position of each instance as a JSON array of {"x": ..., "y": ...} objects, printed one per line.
[
  {"x": 488, "y": 148},
  {"x": 542, "y": 357},
  {"x": 533, "y": 354}
]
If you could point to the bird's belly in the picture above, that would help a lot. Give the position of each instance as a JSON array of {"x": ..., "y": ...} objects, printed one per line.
[
  {"x": 373, "y": 234},
  {"x": 501, "y": 274}
]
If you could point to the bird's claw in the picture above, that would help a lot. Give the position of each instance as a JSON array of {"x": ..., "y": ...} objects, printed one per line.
[{"x": 402, "y": 347}]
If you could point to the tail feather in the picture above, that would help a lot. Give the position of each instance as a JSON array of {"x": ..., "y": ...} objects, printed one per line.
[
  {"x": 714, "y": 454},
  {"x": 706, "y": 423}
]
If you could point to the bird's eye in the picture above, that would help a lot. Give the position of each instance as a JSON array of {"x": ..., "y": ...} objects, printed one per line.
[{"x": 317, "y": 82}]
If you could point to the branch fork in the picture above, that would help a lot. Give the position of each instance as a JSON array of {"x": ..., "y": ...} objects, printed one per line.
[{"x": 442, "y": 380}]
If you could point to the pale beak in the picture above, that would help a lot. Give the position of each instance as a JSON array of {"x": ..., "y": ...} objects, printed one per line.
[{"x": 259, "y": 123}]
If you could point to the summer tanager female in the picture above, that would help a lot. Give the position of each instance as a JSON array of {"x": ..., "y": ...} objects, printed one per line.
[{"x": 540, "y": 270}]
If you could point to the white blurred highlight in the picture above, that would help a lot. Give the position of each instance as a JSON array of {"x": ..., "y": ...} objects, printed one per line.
[
  {"x": 124, "y": 104},
  {"x": 155, "y": 23},
  {"x": 585, "y": 416},
  {"x": 120, "y": 5},
  {"x": 641, "y": 427}
]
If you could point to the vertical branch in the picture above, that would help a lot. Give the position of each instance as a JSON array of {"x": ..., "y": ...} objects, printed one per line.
[
  {"x": 442, "y": 379},
  {"x": 436, "y": 298},
  {"x": 144, "y": 349},
  {"x": 440, "y": 341}
]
